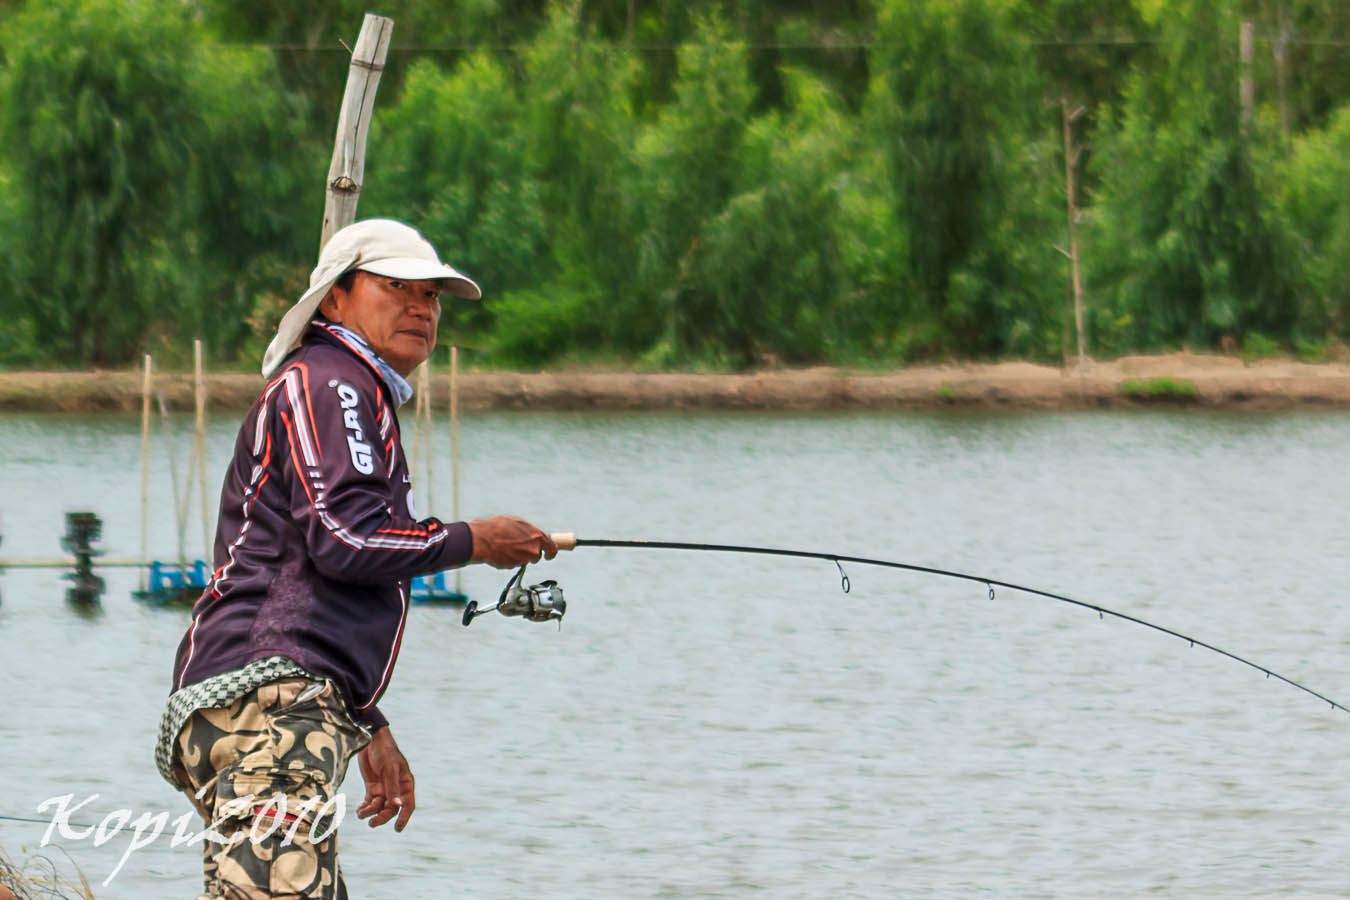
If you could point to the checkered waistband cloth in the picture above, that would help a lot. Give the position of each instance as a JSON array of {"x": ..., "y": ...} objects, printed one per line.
[{"x": 213, "y": 693}]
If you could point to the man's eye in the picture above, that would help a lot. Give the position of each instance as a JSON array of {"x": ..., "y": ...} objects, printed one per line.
[{"x": 393, "y": 283}]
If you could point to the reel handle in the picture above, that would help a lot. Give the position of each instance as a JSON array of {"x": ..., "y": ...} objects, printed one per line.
[{"x": 566, "y": 540}]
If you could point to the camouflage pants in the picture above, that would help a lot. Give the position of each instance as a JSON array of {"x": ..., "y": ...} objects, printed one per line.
[{"x": 288, "y": 739}]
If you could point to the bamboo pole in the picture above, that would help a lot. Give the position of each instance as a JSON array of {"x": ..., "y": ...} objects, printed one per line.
[
  {"x": 145, "y": 462},
  {"x": 348, "y": 166},
  {"x": 199, "y": 443},
  {"x": 454, "y": 451}
]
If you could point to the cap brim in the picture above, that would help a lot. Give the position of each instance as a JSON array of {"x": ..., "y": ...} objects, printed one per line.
[{"x": 411, "y": 268}]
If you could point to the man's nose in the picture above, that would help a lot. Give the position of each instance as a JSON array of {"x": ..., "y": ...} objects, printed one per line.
[{"x": 420, "y": 307}]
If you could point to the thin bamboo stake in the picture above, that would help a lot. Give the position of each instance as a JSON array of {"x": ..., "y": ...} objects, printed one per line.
[
  {"x": 348, "y": 166},
  {"x": 145, "y": 463},
  {"x": 199, "y": 444},
  {"x": 99, "y": 563},
  {"x": 1071, "y": 154},
  {"x": 1246, "y": 88},
  {"x": 454, "y": 451},
  {"x": 429, "y": 447},
  {"x": 180, "y": 497},
  {"x": 1281, "y": 50}
]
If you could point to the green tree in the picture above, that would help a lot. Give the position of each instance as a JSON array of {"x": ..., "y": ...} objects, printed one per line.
[
  {"x": 767, "y": 273},
  {"x": 579, "y": 92},
  {"x": 1084, "y": 51},
  {"x": 688, "y": 163},
  {"x": 1182, "y": 249},
  {"x": 310, "y": 40},
  {"x": 953, "y": 108},
  {"x": 1311, "y": 36},
  {"x": 718, "y": 182},
  {"x": 1315, "y": 202},
  {"x": 148, "y": 176},
  {"x": 448, "y": 157}
]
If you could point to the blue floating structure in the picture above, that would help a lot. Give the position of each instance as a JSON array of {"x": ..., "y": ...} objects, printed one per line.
[
  {"x": 433, "y": 591},
  {"x": 171, "y": 584}
]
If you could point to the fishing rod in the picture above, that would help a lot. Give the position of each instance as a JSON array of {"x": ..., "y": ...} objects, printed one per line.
[{"x": 544, "y": 602}]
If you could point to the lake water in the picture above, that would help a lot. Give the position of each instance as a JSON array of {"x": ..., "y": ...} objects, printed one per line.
[{"x": 713, "y": 725}]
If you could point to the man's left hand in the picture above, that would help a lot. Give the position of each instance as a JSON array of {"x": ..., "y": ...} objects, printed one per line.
[{"x": 389, "y": 782}]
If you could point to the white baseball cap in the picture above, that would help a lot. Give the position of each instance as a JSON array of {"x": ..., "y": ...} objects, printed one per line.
[{"x": 379, "y": 246}]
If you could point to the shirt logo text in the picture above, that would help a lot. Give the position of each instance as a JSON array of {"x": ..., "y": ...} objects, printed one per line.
[{"x": 356, "y": 441}]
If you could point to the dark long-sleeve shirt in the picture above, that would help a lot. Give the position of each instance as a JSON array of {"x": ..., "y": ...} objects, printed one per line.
[{"x": 317, "y": 538}]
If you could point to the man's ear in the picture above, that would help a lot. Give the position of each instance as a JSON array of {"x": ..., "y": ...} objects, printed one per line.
[{"x": 329, "y": 307}]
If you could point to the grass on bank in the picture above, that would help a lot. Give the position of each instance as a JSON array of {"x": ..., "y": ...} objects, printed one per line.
[{"x": 1163, "y": 389}]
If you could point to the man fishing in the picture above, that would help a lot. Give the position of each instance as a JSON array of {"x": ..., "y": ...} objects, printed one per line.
[{"x": 294, "y": 639}]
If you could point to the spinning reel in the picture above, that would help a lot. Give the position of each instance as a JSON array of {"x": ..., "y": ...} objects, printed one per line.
[{"x": 541, "y": 602}]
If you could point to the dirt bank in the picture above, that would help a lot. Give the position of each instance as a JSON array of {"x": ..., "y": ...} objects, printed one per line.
[{"x": 1199, "y": 380}]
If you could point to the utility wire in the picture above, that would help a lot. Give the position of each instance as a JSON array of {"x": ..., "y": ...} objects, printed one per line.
[{"x": 1088, "y": 41}]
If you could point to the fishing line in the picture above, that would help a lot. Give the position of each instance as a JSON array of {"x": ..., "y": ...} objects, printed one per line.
[
  {"x": 46, "y": 821},
  {"x": 568, "y": 541}
]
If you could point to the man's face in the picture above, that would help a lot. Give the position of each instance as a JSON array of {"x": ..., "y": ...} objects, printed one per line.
[{"x": 397, "y": 318}]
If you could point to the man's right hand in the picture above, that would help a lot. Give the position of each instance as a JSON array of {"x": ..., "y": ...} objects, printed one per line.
[{"x": 505, "y": 542}]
